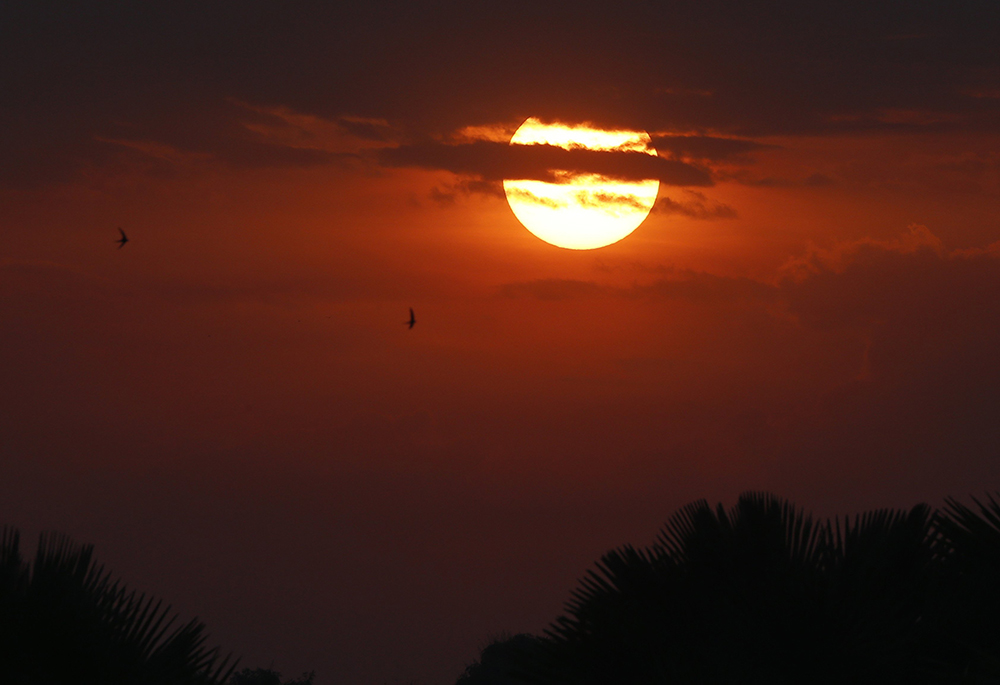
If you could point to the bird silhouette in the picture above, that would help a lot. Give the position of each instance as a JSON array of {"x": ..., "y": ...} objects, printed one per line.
[
  {"x": 124, "y": 239},
  {"x": 412, "y": 320}
]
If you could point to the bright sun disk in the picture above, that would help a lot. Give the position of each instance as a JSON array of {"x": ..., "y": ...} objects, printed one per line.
[{"x": 582, "y": 211}]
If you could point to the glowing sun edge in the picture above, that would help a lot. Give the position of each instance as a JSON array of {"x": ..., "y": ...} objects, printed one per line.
[{"x": 586, "y": 211}]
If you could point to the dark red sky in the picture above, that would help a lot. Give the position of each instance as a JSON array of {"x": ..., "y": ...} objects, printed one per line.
[{"x": 231, "y": 409}]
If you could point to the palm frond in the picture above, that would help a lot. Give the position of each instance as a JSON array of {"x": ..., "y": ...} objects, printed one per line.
[
  {"x": 972, "y": 536},
  {"x": 69, "y": 620},
  {"x": 968, "y": 542},
  {"x": 760, "y": 592}
]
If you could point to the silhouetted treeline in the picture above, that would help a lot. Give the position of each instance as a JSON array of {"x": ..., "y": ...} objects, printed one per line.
[
  {"x": 65, "y": 621},
  {"x": 764, "y": 594}
]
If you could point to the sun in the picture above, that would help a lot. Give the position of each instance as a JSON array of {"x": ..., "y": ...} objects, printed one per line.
[{"x": 582, "y": 211}]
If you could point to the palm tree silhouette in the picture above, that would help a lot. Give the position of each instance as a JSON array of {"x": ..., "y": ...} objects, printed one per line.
[
  {"x": 64, "y": 619},
  {"x": 758, "y": 594},
  {"x": 968, "y": 634}
]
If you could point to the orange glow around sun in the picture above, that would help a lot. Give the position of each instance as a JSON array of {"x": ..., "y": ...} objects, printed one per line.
[{"x": 582, "y": 211}]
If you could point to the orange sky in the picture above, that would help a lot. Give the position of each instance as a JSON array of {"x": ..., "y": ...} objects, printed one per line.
[{"x": 232, "y": 410}]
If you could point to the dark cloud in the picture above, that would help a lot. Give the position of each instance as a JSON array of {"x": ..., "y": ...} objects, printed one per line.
[
  {"x": 602, "y": 199},
  {"x": 493, "y": 161},
  {"x": 442, "y": 196},
  {"x": 748, "y": 178},
  {"x": 368, "y": 130},
  {"x": 150, "y": 136},
  {"x": 707, "y": 147},
  {"x": 164, "y": 70},
  {"x": 525, "y": 195},
  {"x": 448, "y": 193},
  {"x": 695, "y": 206},
  {"x": 906, "y": 121}
]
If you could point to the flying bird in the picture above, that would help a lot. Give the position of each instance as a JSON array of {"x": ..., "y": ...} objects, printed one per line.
[
  {"x": 412, "y": 320},
  {"x": 124, "y": 239}
]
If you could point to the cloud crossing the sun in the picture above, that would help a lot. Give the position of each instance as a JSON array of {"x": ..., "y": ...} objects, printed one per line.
[{"x": 490, "y": 160}]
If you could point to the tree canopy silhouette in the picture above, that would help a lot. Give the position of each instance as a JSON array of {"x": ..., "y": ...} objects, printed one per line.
[
  {"x": 64, "y": 619},
  {"x": 762, "y": 593},
  {"x": 502, "y": 661}
]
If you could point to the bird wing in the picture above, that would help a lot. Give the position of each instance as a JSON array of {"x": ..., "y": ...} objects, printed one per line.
[{"x": 124, "y": 237}]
